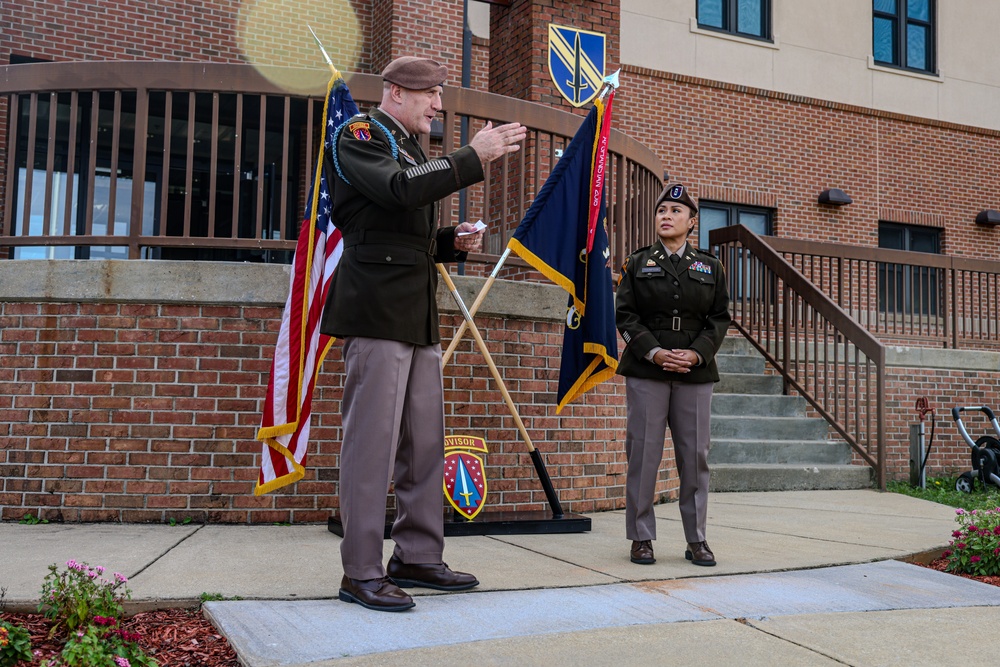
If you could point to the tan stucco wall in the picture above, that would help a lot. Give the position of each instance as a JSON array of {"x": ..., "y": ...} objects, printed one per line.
[{"x": 824, "y": 50}]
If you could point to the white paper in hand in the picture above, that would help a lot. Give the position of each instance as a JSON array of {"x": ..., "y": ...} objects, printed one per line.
[{"x": 480, "y": 226}]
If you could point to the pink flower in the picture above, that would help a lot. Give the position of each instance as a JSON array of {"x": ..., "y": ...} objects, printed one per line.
[
  {"x": 100, "y": 570},
  {"x": 960, "y": 511},
  {"x": 948, "y": 553},
  {"x": 121, "y": 578},
  {"x": 956, "y": 533},
  {"x": 973, "y": 528},
  {"x": 122, "y": 662},
  {"x": 975, "y": 559},
  {"x": 961, "y": 545}
]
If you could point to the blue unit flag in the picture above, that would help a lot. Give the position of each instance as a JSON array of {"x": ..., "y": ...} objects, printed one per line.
[{"x": 554, "y": 237}]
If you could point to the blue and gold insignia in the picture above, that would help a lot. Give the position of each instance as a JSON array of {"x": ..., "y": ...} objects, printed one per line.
[
  {"x": 360, "y": 130},
  {"x": 465, "y": 474},
  {"x": 701, "y": 267},
  {"x": 576, "y": 63}
]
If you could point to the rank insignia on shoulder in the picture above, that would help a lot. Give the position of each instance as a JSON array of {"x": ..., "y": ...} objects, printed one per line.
[
  {"x": 701, "y": 267},
  {"x": 360, "y": 130}
]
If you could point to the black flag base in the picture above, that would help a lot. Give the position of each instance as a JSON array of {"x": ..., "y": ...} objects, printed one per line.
[{"x": 540, "y": 522}]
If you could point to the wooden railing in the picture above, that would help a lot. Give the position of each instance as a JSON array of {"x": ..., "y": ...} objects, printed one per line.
[
  {"x": 223, "y": 155},
  {"x": 817, "y": 347},
  {"x": 911, "y": 298}
]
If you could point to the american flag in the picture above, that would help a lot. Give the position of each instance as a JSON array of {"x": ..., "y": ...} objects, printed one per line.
[{"x": 301, "y": 347}]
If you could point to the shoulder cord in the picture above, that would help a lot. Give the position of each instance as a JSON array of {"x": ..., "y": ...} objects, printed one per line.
[{"x": 336, "y": 137}]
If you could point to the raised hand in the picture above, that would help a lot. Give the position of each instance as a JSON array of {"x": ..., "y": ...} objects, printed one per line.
[{"x": 493, "y": 142}]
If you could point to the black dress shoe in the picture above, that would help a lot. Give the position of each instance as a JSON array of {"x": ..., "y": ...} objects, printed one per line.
[
  {"x": 699, "y": 554},
  {"x": 642, "y": 552},
  {"x": 376, "y": 594},
  {"x": 429, "y": 575}
]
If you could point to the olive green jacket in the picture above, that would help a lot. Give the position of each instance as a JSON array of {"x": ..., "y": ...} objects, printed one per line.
[
  {"x": 386, "y": 208},
  {"x": 658, "y": 305}
]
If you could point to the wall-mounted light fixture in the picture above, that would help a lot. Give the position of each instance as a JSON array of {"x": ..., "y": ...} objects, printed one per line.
[
  {"x": 988, "y": 218},
  {"x": 835, "y": 197}
]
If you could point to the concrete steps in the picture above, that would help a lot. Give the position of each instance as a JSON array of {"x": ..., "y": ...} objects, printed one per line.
[{"x": 762, "y": 440}]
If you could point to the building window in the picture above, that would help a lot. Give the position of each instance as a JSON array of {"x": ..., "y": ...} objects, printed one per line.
[
  {"x": 906, "y": 288},
  {"x": 903, "y": 33},
  {"x": 748, "y": 18},
  {"x": 713, "y": 215}
]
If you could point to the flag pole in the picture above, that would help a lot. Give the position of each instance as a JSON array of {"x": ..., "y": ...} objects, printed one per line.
[
  {"x": 326, "y": 56},
  {"x": 610, "y": 82},
  {"x": 536, "y": 457},
  {"x": 474, "y": 309}
]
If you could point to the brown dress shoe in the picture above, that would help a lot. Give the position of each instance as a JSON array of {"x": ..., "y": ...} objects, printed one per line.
[
  {"x": 699, "y": 554},
  {"x": 429, "y": 575},
  {"x": 642, "y": 552},
  {"x": 376, "y": 594}
]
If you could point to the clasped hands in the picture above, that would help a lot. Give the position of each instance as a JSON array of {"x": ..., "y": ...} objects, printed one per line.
[{"x": 676, "y": 361}]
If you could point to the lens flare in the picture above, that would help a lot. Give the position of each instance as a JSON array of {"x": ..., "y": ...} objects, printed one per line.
[{"x": 273, "y": 36}]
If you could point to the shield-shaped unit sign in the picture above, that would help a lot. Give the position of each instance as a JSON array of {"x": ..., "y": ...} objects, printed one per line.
[
  {"x": 465, "y": 474},
  {"x": 576, "y": 63}
]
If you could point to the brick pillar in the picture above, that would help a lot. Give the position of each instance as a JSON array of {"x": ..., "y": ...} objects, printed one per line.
[
  {"x": 519, "y": 43},
  {"x": 428, "y": 28}
]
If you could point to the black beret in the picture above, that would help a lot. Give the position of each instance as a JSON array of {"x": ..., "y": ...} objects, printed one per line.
[
  {"x": 678, "y": 193},
  {"x": 415, "y": 73}
]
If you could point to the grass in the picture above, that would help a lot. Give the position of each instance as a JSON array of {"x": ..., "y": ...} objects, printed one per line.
[{"x": 942, "y": 490}]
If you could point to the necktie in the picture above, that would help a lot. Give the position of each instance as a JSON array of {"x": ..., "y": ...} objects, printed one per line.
[{"x": 675, "y": 259}]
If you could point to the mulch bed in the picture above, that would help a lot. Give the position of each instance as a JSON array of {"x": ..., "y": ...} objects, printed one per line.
[
  {"x": 941, "y": 563},
  {"x": 174, "y": 637}
]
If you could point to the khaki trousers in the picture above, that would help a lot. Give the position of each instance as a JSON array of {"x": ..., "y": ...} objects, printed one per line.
[
  {"x": 652, "y": 405},
  {"x": 393, "y": 426}
]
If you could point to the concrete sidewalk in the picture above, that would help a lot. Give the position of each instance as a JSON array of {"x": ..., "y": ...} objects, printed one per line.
[{"x": 776, "y": 595}]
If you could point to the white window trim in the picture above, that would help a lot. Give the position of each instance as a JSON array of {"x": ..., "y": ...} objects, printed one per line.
[
  {"x": 936, "y": 78},
  {"x": 773, "y": 44}
]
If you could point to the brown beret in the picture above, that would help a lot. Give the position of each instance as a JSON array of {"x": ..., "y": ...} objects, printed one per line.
[
  {"x": 415, "y": 73},
  {"x": 678, "y": 193}
]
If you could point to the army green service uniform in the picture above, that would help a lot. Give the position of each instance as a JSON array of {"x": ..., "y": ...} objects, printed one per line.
[
  {"x": 382, "y": 304},
  {"x": 660, "y": 304}
]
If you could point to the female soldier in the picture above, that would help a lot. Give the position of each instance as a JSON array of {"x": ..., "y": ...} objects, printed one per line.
[{"x": 672, "y": 310}]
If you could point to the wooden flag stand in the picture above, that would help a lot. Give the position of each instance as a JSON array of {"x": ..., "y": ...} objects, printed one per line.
[{"x": 499, "y": 523}]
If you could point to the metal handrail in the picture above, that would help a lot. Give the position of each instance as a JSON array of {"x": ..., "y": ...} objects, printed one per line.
[
  {"x": 916, "y": 298},
  {"x": 819, "y": 350},
  {"x": 209, "y": 182}
]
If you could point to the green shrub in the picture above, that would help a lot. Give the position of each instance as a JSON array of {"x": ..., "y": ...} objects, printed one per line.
[
  {"x": 15, "y": 644},
  {"x": 975, "y": 546}
]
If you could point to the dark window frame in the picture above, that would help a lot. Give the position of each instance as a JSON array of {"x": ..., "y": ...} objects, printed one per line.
[
  {"x": 901, "y": 22},
  {"x": 730, "y": 20},
  {"x": 733, "y": 215},
  {"x": 909, "y": 290}
]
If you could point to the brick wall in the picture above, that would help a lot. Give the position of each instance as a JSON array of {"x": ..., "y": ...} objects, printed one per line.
[
  {"x": 135, "y": 410},
  {"x": 763, "y": 148},
  {"x": 269, "y": 32},
  {"x": 142, "y": 413},
  {"x": 519, "y": 39}
]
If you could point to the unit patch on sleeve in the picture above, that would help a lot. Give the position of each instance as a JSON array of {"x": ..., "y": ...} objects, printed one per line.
[{"x": 360, "y": 130}]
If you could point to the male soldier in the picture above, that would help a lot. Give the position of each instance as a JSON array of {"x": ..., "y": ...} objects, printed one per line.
[{"x": 382, "y": 305}]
